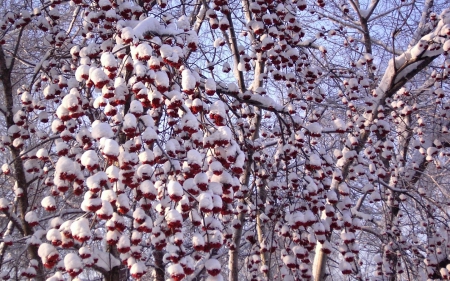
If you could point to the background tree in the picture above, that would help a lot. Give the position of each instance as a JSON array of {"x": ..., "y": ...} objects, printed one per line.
[{"x": 224, "y": 140}]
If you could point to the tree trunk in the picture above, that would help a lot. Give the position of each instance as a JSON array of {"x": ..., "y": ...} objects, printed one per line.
[
  {"x": 19, "y": 172},
  {"x": 159, "y": 265},
  {"x": 117, "y": 273}
]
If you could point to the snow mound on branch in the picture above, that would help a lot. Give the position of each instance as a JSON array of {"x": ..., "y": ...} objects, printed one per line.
[
  {"x": 188, "y": 80},
  {"x": 266, "y": 102},
  {"x": 212, "y": 264},
  {"x": 138, "y": 269},
  {"x": 80, "y": 228},
  {"x": 72, "y": 262},
  {"x": 194, "y": 157},
  {"x": 100, "y": 130},
  {"x": 4, "y": 204},
  {"x": 174, "y": 188},
  {"x": 48, "y": 202},
  {"x": 109, "y": 147},
  {"x": 64, "y": 165},
  {"x": 409, "y": 59},
  {"x": 105, "y": 260},
  {"x": 89, "y": 158},
  {"x": 46, "y": 249},
  {"x": 150, "y": 24}
]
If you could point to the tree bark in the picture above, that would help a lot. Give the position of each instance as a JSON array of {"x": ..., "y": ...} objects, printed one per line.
[
  {"x": 159, "y": 265},
  {"x": 19, "y": 172}
]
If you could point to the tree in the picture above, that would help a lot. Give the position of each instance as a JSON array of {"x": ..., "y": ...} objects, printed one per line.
[{"x": 225, "y": 140}]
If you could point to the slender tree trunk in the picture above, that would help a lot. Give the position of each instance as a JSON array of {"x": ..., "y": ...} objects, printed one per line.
[
  {"x": 115, "y": 274},
  {"x": 19, "y": 173},
  {"x": 159, "y": 265},
  {"x": 233, "y": 262},
  {"x": 261, "y": 229}
]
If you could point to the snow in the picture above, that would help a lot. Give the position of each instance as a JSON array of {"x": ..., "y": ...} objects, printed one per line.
[
  {"x": 149, "y": 135},
  {"x": 85, "y": 252},
  {"x": 183, "y": 23},
  {"x": 411, "y": 54},
  {"x": 339, "y": 124},
  {"x": 217, "y": 202},
  {"x": 149, "y": 24},
  {"x": 205, "y": 201},
  {"x": 89, "y": 158},
  {"x": 210, "y": 85},
  {"x": 315, "y": 160},
  {"x": 218, "y": 108},
  {"x": 98, "y": 76},
  {"x": 172, "y": 145},
  {"x": 70, "y": 101},
  {"x": 137, "y": 268},
  {"x": 56, "y": 277},
  {"x": 101, "y": 130},
  {"x": 112, "y": 173},
  {"x": 213, "y": 264},
  {"x": 154, "y": 62},
  {"x": 446, "y": 46},
  {"x": 187, "y": 80},
  {"x": 363, "y": 13},
  {"x": 4, "y": 204},
  {"x": 112, "y": 236},
  {"x": 46, "y": 250},
  {"x": 123, "y": 201},
  {"x": 80, "y": 228},
  {"x": 48, "y": 202},
  {"x": 175, "y": 269},
  {"x": 144, "y": 50},
  {"x": 173, "y": 216},
  {"x": 139, "y": 69},
  {"x": 139, "y": 214},
  {"x": 198, "y": 240},
  {"x": 192, "y": 38},
  {"x": 82, "y": 72},
  {"x": 216, "y": 166},
  {"x": 174, "y": 188},
  {"x": 296, "y": 218},
  {"x": 144, "y": 171},
  {"x": 129, "y": 121},
  {"x": 147, "y": 120},
  {"x": 30, "y": 216},
  {"x": 195, "y": 157},
  {"x": 289, "y": 260},
  {"x": 345, "y": 267},
  {"x": 72, "y": 262},
  {"x": 314, "y": 128},
  {"x": 136, "y": 107},
  {"x": 65, "y": 227},
  {"x": 109, "y": 147},
  {"x": 148, "y": 223},
  {"x": 105, "y": 260},
  {"x": 166, "y": 51},
  {"x": 106, "y": 210},
  {"x": 147, "y": 187},
  {"x": 62, "y": 113},
  {"x": 124, "y": 242},
  {"x": 179, "y": 54},
  {"x": 189, "y": 122},
  {"x": 162, "y": 79},
  {"x": 214, "y": 278},
  {"x": 95, "y": 181},
  {"x": 127, "y": 34},
  {"x": 53, "y": 235}
]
